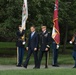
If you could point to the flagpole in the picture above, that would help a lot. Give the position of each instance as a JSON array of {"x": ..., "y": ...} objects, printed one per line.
[
  {"x": 55, "y": 35},
  {"x": 24, "y": 19}
]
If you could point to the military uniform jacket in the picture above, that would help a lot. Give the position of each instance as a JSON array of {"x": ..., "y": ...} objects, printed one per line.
[
  {"x": 19, "y": 42},
  {"x": 44, "y": 40}
]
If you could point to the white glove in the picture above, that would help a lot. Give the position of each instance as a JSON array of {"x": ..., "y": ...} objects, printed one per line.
[
  {"x": 70, "y": 42},
  {"x": 24, "y": 28},
  {"x": 24, "y": 43},
  {"x": 57, "y": 46}
]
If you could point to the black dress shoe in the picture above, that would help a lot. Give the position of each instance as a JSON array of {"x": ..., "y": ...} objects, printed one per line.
[
  {"x": 74, "y": 67},
  {"x": 18, "y": 66},
  {"x": 38, "y": 67},
  {"x": 55, "y": 65},
  {"x": 24, "y": 66},
  {"x": 46, "y": 67}
]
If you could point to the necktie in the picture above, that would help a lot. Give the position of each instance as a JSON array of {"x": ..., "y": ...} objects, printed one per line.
[{"x": 31, "y": 35}]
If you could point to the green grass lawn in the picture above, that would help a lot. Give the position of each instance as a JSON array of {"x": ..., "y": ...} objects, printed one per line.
[
  {"x": 50, "y": 71},
  {"x": 11, "y": 53},
  {"x": 9, "y": 49},
  {"x": 63, "y": 60},
  {"x": 7, "y": 45}
]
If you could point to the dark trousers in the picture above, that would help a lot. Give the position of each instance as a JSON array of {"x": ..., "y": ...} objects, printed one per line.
[
  {"x": 20, "y": 54},
  {"x": 74, "y": 57},
  {"x": 75, "y": 61},
  {"x": 55, "y": 53},
  {"x": 35, "y": 53},
  {"x": 46, "y": 58}
]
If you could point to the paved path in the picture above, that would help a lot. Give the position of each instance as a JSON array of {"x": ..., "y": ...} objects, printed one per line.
[{"x": 13, "y": 67}]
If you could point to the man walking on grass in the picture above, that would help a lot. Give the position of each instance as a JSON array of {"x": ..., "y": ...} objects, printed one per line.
[
  {"x": 32, "y": 47},
  {"x": 44, "y": 45}
]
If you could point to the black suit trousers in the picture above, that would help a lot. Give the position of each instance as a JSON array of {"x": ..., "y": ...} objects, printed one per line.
[
  {"x": 46, "y": 58},
  {"x": 35, "y": 53}
]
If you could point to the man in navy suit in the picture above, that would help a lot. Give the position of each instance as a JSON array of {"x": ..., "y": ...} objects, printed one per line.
[{"x": 32, "y": 47}]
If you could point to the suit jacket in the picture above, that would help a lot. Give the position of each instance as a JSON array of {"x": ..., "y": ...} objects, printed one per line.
[
  {"x": 19, "y": 38},
  {"x": 33, "y": 42},
  {"x": 45, "y": 40}
]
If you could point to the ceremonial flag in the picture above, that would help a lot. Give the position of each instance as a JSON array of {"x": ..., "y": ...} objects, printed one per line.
[
  {"x": 24, "y": 14},
  {"x": 24, "y": 19},
  {"x": 55, "y": 31}
]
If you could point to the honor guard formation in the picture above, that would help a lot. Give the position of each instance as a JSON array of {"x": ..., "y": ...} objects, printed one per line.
[{"x": 38, "y": 44}]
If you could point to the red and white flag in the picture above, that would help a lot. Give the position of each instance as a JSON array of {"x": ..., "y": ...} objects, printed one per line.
[
  {"x": 24, "y": 14},
  {"x": 55, "y": 31}
]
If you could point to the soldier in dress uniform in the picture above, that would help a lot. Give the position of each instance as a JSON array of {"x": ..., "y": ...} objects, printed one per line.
[
  {"x": 74, "y": 48},
  {"x": 44, "y": 45},
  {"x": 55, "y": 53},
  {"x": 20, "y": 45}
]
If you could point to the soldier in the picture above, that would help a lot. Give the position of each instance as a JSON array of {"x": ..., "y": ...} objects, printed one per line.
[
  {"x": 32, "y": 47},
  {"x": 44, "y": 45},
  {"x": 74, "y": 48},
  {"x": 55, "y": 53},
  {"x": 20, "y": 46}
]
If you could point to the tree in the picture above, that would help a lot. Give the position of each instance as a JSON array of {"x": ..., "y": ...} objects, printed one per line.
[
  {"x": 40, "y": 12},
  {"x": 10, "y": 18}
]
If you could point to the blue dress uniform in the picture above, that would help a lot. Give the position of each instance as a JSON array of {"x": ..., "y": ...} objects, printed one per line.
[
  {"x": 55, "y": 53},
  {"x": 20, "y": 47},
  {"x": 32, "y": 43},
  {"x": 44, "y": 43},
  {"x": 74, "y": 52}
]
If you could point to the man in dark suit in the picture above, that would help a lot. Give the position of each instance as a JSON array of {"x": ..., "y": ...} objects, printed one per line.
[
  {"x": 44, "y": 45},
  {"x": 20, "y": 45},
  {"x": 32, "y": 47}
]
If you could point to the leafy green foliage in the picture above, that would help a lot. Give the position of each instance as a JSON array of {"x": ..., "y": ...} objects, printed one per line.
[{"x": 40, "y": 12}]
